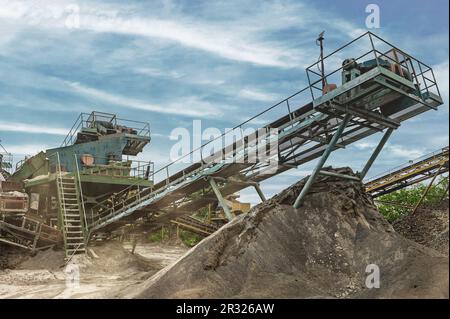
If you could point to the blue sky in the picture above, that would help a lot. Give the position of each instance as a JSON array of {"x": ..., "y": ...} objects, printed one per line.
[{"x": 170, "y": 62}]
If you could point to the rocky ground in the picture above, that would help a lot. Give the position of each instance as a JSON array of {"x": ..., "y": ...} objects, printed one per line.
[{"x": 427, "y": 226}]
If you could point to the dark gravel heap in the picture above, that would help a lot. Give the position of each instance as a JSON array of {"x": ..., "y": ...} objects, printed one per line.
[{"x": 427, "y": 226}]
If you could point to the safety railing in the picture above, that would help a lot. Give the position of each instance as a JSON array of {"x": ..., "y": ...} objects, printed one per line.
[
  {"x": 104, "y": 166},
  {"x": 88, "y": 120},
  {"x": 381, "y": 51}
]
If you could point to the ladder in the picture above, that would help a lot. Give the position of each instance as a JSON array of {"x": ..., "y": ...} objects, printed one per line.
[{"x": 70, "y": 212}]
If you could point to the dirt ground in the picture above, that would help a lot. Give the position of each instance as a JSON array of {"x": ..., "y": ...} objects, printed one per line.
[{"x": 107, "y": 270}]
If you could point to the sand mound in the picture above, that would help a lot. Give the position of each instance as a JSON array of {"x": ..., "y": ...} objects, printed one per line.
[
  {"x": 112, "y": 257},
  {"x": 48, "y": 259},
  {"x": 319, "y": 250}
]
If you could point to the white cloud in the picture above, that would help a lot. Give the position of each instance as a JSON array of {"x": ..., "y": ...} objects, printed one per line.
[
  {"x": 257, "y": 95},
  {"x": 32, "y": 128},
  {"x": 442, "y": 75},
  {"x": 399, "y": 151},
  {"x": 363, "y": 145},
  {"x": 153, "y": 72},
  {"x": 186, "y": 106},
  {"x": 228, "y": 41}
]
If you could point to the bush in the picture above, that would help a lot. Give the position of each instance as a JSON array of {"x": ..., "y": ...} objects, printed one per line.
[
  {"x": 189, "y": 239},
  {"x": 159, "y": 235},
  {"x": 405, "y": 199}
]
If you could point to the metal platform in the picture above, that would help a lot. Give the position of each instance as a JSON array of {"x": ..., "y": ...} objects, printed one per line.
[
  {"x": 28, "y": 233},
  {"x": 413, "y": 172},
  {"x": 308, "y": 125}
]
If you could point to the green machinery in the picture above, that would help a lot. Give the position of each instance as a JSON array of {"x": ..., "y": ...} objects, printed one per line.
[{"x": 91, "y": 165}]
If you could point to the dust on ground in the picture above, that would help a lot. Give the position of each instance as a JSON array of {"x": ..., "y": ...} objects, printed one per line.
[
  {"x": 320, "y": 250},
  {"x": 103, "y": 272}
]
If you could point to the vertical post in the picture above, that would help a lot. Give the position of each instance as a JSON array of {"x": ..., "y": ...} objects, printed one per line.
[
  {"x": 373, "y": 49},
  {"x": 222, "y": 202},
  {"x": 322, "y": 160},
  {"x": 322, "y": 67},
  {"x": 376, "y": 152},
  {"x": 259, "y": 191}
]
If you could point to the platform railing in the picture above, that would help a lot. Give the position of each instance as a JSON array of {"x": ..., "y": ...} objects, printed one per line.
[
  {"x": 128, "y": 168},
  {"x": 86, "y": 120},
  {"x": 379, "y": 49}
]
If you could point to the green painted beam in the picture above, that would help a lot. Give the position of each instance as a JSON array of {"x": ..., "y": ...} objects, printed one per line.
[
  {"x": 114, "y": 180},
  {"x": 99, "y": 179}
]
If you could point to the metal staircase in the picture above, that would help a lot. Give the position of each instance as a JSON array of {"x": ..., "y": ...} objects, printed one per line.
[{"x": 70, "y": 214}]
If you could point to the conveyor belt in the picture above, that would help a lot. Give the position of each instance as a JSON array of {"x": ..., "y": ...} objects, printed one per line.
[
  {"x": 374, "y": 101},
  {"x": 409, "y": 174}
]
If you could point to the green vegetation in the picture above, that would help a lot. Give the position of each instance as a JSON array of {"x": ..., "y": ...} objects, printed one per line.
[
  {"x": 189, "y": 239},
  {"x": 160, "y": 235},
  {"x": 405, "y": 199},
  {"x": 165, "y": 233}
]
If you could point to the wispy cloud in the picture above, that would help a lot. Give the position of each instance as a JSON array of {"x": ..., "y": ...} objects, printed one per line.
[
  {"x": 392, "y": 150},
  {"x": 186, "y": 106},
  {"x": 258, "y": 95},
  {"x": 31, "y": 128},
  {"x": 221, "y": 40},
  {"x": 154, "y": 72},
  {"x": 400, "y": 151},
  {"x": 441, "y": 73}
]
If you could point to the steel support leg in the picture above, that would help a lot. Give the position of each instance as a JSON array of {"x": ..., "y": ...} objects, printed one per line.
[
  {"x": 219, "y": 196},
  {"x": 260, "y": 193},
  {"x": 322, "y": 160},
  {"x": 376, "y": 152},
  {"x": 332, "y": 174},
  {"x": 425, "y": 193}
]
